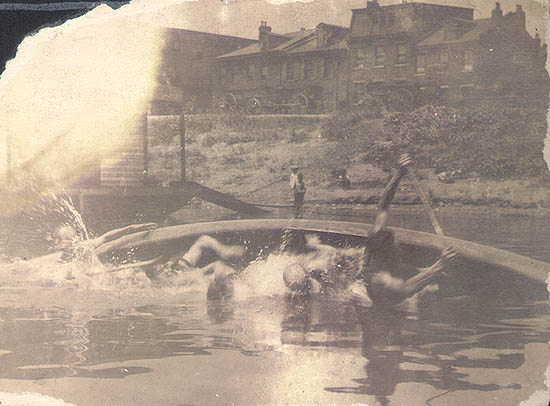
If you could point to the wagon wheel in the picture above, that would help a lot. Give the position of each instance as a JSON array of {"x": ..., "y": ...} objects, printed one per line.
[
  {"x": 253, "y": 106},
  {"x": 228, "y": 102},
  {"x": 401, "y": 100},
  {"x": 301, "y": 103}
]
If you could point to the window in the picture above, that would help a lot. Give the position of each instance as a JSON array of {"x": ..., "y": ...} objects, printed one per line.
[
  {"x": 467, "y": 90},
  {"x": 296, "y": 70},
  {"x": 432, "y": 59},
  {"x": 401, "y": 54},
  {"x": 361, "y": 52},
  {"x": 265, "y": 72},
  {"x": 444, "y": 58},
  {"x": 421, "y": 64},
  {"x": 227, "y": 73},
  {"x": 379, "y": 57},
  {"x": 309, "y": 69},
  {"x": 329, "y": 69},
  {"x": 251, "y": 70},
  {"x": 468, "y": 61},
  {"x": 290, "y": 71},
  {"x": 444, "y": 91},
  {"x": 293, "y": 71},
  {"x": 321, "y": 68}
]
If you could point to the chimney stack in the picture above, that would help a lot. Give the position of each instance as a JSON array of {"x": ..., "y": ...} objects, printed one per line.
[
  {"x": 264, "y": 36},
  {"x": 520, "y": 15},
  {"x": 497, "y": 11}
]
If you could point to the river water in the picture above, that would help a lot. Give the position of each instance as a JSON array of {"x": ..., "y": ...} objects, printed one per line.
[{"x": 105, "y": 339}]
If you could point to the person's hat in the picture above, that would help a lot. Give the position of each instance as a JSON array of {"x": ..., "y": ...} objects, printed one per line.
[{"x": 293, "y": 167}]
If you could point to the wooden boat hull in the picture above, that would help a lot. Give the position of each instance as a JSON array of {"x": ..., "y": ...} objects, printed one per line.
[{"x": 479, "y": 269}]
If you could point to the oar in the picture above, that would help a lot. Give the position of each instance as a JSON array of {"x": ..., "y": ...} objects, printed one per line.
[
  {"x": 427, "y": 207},
  {"x": 426, "y": 203}
]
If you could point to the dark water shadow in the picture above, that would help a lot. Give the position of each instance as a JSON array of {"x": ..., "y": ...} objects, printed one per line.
[{"x": 392, "y": 341}]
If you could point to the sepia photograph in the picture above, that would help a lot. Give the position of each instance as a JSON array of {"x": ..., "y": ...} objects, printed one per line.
[{"x": 274, "y": 202}]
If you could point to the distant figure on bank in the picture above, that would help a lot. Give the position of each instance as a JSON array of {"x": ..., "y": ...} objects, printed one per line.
[
  {"x": 188, "y": 261},
  {"x": 299, "y": 193},
  {"x": 293, "y": 177}
]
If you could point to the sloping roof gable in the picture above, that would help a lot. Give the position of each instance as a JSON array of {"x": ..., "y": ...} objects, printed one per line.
[
  {"x": 299, "y": 41},
  {"x": 466, "y": 30}
]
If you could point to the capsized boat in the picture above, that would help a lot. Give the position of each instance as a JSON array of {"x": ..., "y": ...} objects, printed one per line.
[{"x": 480, "y": 270}]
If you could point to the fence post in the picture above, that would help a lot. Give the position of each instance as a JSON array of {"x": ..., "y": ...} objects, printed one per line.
[{"x": 182, "y": 145}]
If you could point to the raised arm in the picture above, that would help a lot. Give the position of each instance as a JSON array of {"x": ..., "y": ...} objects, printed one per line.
[
  {"x": 381, "y": 216},
  {"x": 448, "y": 255},
  {"x": 119, "y": 232}
]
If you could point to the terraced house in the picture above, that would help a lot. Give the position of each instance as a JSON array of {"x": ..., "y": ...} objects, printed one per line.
[
  {"x": 414, "y": 53},
  {"x": 394, "y": 57},
  {"x": 304, "y": 71}
]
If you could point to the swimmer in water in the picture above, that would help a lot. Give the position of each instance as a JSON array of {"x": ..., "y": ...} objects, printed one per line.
[
  {"x": 372, "y": 275},
  {"x": 221, "y": 285},
  {"x": 334, "y": 269},
  {"x": 72, "y": 246},
  {"x": 387, "y": 278}
]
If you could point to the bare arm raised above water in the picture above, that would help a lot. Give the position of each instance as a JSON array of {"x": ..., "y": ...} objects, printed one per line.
[
  {"x": 383, "y": 205},
  {"x": 119, "y": 232},
  {"x": 387, "y": 289}
]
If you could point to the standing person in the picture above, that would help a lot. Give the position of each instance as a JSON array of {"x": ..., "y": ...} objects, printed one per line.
[
  {"x": 293, "y": 177},
  {"x": 299, "y": 193}
]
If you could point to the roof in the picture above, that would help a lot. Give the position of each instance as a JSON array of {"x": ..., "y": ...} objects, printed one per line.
[
  {"x": 255, "y": 48},
  {"x": 298, "y": 42},
  {"x": 471, "y": 31},
  {"x": 311, "y": 46},
  {"x": 173, "y": 30},
  {"x": 297, "y": 38},
  {"x": 408, "y": 5},
  {"x": 249, "y": 50}
]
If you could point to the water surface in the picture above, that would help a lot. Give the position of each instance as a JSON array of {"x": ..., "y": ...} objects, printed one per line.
[{"x": 127, "y": 342}]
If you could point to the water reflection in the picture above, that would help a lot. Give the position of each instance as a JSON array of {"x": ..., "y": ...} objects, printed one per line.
[
  {"x": 401, "y": 349},
  {"x": 435, "y": 346},
  {"x": 427, "y": 347}
]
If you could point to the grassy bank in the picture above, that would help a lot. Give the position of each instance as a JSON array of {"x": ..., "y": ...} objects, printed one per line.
[{"x": 464, "y": 157}]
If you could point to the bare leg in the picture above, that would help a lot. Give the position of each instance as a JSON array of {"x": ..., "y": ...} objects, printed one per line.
[{"x": 193, "y": 255}]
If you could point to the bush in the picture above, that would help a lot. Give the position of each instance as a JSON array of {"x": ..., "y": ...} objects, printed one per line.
[{"x": 490, "y": 142}]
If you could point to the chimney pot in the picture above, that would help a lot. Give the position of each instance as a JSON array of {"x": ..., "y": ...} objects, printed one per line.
[{"x": 497, "y": 12}]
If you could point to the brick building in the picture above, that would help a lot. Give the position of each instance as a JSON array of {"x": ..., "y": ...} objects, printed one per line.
[
  {"x": 408, "y": 54},
  {"x": 304, "y": 71},
  {"x": 186, "y": 70},
  {"x": 399, "y": 56}
]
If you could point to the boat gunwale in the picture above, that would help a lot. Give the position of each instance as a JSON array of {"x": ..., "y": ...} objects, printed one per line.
[{"x": 531, "y": 268}]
